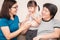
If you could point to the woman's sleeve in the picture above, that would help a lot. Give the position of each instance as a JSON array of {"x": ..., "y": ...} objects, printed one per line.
[
  {"x": 3, "y": 22},
  {"x": 57, "y": 24}
]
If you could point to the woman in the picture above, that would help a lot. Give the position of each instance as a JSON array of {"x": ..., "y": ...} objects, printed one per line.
[
  {"x": 9, "y": 28},
  {"x": 49, "y": 27}
]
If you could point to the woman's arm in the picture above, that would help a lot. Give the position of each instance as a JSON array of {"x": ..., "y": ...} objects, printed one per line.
[
  {"x": 9, "y": 35},
  {"x": 55, "y": 34},
  {"x": 26, "y": 20},
  {"x": 29, "y": 22}
]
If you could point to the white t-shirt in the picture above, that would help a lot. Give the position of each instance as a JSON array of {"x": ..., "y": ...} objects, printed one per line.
[{"x": 48, "y": 27}]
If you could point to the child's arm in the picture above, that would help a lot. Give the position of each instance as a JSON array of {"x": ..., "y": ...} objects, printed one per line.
[{"x": 37, "y": 19}]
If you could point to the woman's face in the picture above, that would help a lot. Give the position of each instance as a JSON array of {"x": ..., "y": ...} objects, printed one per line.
[
  {"x": 31, "y": 9},
  {"x": 13, "y": 9},
  {"x": 46, "y": 13}
]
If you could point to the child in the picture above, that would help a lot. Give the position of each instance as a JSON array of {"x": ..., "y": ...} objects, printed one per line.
[{"x": 33, "y": 18}]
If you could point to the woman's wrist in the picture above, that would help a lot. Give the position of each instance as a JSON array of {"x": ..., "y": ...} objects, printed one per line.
[{"x": 39, "y": 37}]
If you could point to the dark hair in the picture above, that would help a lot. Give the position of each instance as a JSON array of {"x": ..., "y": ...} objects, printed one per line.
[
  {"x": 33, "y": 3},
  {"x": 52, "y": 8},
  {"x": 7, "y": 4}
]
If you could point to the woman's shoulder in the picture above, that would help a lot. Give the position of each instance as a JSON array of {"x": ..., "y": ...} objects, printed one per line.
[
  {"x": 57, "y": 23},
  {"x": 3, "y": 22},
  {"x": 3, "y": 19},
  {"x": 16, "y": 17}
]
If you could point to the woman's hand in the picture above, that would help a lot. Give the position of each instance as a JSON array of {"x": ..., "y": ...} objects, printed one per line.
[
  {"x": 36, "y": 38},
  {"x": 25, "y": 26}
]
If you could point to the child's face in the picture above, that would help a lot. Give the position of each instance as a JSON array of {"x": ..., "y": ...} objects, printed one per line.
[{"x": 31, "y": 9}]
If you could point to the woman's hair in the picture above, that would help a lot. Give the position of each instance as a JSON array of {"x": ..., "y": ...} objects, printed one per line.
[
  {"x": 33, "y": 3},
  {"x": 52, "y": 8},
  {"x": 7, "y": 4}
]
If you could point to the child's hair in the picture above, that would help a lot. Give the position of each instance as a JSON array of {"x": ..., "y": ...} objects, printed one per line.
[{"x": 33, "y": 3}]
